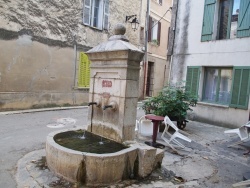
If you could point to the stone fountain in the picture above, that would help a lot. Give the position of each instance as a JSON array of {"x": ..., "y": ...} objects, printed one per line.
[{"x": 113, "y": 98}]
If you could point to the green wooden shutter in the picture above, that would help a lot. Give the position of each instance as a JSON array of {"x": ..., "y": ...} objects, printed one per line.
[
  {"x": 84, "y": 71},
  {"x": 243, "y": 29},
  {"x": 192, "y": 80},
  {"x": 87, "y": 12},
  {"x": 208, "y": 20},
  {"x": 106, "y": 15},
  {"x": 240, "y": 87}
]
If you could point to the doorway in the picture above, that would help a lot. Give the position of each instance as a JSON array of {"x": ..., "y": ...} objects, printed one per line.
[{"x": 150, "y": 79}]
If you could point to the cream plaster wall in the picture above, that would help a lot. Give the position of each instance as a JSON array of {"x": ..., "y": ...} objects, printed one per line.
[
  {"x": 157, "y": 11},
  {"x": 34, "y": 74},
  {"x": 158, "y": 53}
]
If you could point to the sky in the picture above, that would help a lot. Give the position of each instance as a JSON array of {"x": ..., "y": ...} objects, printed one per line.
[{"x": 236, "y": 6}]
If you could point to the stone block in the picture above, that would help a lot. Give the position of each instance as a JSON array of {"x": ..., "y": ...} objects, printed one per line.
[
  {"x": 158, "y": 158},
  {"x": 146, "y": 157}
]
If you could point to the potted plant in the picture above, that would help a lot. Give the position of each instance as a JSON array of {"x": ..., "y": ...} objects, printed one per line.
[{"x": 173, "y": 101}]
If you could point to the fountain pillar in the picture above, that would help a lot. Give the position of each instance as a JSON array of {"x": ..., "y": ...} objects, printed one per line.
[
  {"x": 115, "y": 67},
  {"x": 112, "y": 104}
]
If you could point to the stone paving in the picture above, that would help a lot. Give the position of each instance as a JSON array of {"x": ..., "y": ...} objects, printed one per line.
[{"x": 206, "y": 162}]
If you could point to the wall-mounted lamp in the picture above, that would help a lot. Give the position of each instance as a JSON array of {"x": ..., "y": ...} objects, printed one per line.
[{"x": 134, "y": 22}]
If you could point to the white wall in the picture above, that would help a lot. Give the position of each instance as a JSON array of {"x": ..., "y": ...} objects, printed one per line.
[
  {"x": 231, "y": 52},
  {"x": 190, "y": 51}
]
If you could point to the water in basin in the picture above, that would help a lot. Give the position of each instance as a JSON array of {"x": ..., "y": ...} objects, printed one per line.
[{"x": 85, "y": 141}]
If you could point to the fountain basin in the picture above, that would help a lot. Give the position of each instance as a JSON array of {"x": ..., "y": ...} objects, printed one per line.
[{"x": 138, "y": 160}]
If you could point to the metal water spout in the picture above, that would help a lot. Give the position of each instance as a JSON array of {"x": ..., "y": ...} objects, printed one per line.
[
  {"x": 107, "y": 106},
  {"x": 92, "y": 103},
  {"x": 98, "y": 103},
  {"x": 112, "y": 105}
]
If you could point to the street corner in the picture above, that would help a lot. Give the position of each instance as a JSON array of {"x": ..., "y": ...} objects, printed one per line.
[{"x": 32, "y": 171}]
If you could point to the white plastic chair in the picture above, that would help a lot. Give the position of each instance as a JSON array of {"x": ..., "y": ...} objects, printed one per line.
[
  {"x": 242, "y": 183},
  {"x": 144, "y": 126},
  {"x": 170, "y": 138},
  {"x": 243, "y": 133}
]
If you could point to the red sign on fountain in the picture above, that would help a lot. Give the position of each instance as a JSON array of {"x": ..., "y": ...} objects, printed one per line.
[{"x": 106, "y": 83}]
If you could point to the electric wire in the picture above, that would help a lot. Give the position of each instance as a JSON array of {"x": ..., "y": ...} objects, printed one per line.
[{"x": 170, "y": 8}]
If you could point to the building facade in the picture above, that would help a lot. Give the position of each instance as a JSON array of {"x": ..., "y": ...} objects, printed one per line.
[
  {"x": 210, "y": 50},
  {"x": 155, "y": 68},
  {"x": 42, "y": 45}
]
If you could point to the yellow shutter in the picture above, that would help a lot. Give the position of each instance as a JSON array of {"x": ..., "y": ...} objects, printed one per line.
[{"x": 84, "y": 71}]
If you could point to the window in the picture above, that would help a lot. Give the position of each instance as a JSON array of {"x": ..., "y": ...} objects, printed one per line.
[
  {"x": 84, "y": 71},
  {"x": 96, "y": 13},
  {"x": 217, "y": 85},
  {"x": 228, "y": 18},
  {"x": 233, "y": 19},
  {"x": 227, "y": 86},
  {"x": 154, "y": 31}
]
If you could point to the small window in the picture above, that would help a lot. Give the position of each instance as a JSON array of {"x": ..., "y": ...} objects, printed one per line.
[
  {"x": 233, "y": 19},
  {"x": 96, "y": 13},
  {"x": 154, "y": 31},
  {"x": 217, "y": 82},
  {"x": 228, "y": 18}
]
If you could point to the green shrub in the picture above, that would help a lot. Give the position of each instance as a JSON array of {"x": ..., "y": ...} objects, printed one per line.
[{"x": 173, "y": 101}]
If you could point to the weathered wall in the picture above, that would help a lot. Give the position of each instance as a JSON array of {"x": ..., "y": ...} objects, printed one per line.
[
  {"x": 40, "y": 43},
  {"x": 34, "y": 74},
  {"x": 182, "y": 29},
  {"x": 219, "y": 115},
  {"x": 190, "y": 51}
]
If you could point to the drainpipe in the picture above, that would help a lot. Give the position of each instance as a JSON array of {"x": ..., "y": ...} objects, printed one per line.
[
  {"x": 75, "y": 62},
  {"x": 146, "y": 47}
]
